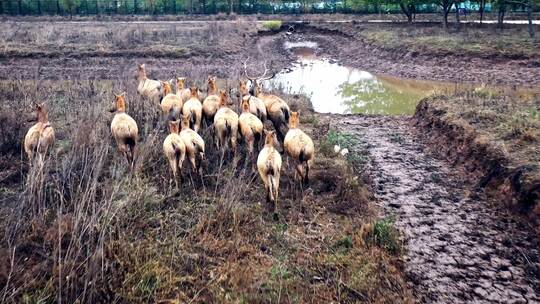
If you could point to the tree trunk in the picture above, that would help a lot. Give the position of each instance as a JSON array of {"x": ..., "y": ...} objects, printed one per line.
[
  {"x": 58, "y": 7},
  {"x": 405, "y": 9},
  {"x": 231, "y": 2},
  {"x": 529, "y": 16},
  {"x": 446, "y": 6},
  {"x": 38, "y": 7},
  {"x": 20, "y": 7},
  {"x": 481, "y": 8},
  {"x": 458, "y": 23},
  {"x": 500, "y": 17}
]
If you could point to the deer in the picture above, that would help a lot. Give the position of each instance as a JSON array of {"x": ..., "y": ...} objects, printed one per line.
[
  {"x": 211, "y": 103},
  {"x": 225, "y": 124},
  {"x": 40, "y": 137},
  {"x": 194, "y": 144},
  {"x": 124, "y": 129},
  {"x": 171, "y": 103},
  {"x": 269, "y": 167},
  {"x": 174, "y": 150},
  {"x": 181, "y": 90},
  {"x": 192, "y": 108},
  {"x": 256, "y": 105},
  {"x": 277, "y": 109},
  {"x": 148, "y": 88},
  {"x": 299, "y": 146},
  {"x": 251, "y": 127}
]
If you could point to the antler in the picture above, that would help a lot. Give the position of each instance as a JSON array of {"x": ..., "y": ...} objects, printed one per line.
[{"x": 262, "y": 77}]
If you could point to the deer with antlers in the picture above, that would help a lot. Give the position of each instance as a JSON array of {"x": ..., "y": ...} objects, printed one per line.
[{"x": 277, "y": 109}]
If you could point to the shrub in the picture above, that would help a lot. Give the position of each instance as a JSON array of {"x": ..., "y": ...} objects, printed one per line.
[
  {"x": 272, "y": 25},
  {"x": 385, "y": 235}
]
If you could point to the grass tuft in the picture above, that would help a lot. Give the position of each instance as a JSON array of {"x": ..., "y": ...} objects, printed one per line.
[{"x": 272, "y": 25}]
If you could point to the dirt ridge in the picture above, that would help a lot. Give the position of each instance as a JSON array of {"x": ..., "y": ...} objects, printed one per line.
[{"x": 516, "y": 185}]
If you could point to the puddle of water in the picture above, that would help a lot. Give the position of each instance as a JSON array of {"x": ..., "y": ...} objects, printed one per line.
[
  {"x": 334, "y": 88},
  {"x": 300, "y": 44}
]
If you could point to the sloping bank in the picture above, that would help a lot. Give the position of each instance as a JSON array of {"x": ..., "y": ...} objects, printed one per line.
[{"x": 494, "y": 138}]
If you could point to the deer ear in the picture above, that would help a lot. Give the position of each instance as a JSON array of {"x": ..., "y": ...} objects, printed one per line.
[{"x": 123, "y": 94}]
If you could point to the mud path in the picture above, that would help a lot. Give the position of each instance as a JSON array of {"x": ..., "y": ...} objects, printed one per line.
[{"x": 460, "y": 247}]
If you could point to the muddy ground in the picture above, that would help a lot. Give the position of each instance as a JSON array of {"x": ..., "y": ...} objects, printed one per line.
[{"x": 462, "y": 246}]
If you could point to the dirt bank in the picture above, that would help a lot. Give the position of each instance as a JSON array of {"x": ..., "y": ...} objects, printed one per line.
[
  {"x": 489, "y": 144},
  {"x": 462, "y": 246}
]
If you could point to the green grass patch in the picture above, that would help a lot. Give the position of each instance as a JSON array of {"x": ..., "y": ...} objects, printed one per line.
[
  {"x": 272, "y": 25},
  {"x": 385, "y": 235}
]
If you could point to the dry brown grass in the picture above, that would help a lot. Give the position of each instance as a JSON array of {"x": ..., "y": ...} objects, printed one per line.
[
  {"x": 84, "y": 229},
  {"x": 432, "y": 40},
  {"x": 95, "y": 39}
]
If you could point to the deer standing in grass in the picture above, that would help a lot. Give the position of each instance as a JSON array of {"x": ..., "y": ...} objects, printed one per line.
[
  {"x": 277, "y": 109},
  {"x": 181, "y": 90},
  {"x": 194, "y": 144},
  {"x": 175, "y": 150},
  {"x": 211, "y": 103},
  {"x": 40, "y": 137},
  {"x": 256, "y": 106},
  {"x": 124, "y": 130},
  {"x": 269, "y": 167},
  {"x": 148, "y": 88},
  {"x": 192, "y": 108},
  {"x": 225, "y": 124},
  {"x": 251, "y": 127},
  {"x": 300, "y": 148},
  {"x": 171, "y": 104}
]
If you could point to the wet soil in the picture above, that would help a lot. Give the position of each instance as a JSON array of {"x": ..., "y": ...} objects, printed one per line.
[
  {"x": 339, "y": 41},
  {"x": 461, "y": 247}
]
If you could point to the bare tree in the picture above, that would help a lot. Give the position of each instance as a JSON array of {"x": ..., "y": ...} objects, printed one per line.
[
  {"x": 501, "y": 5},
  {"x": 529, "y": 16},
  {"x": 458, "y": 21},
  {"x": 481, "y": 9},
  {"x": 445, "y": 5}
]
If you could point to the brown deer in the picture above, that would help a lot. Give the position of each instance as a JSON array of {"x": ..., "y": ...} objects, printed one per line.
[
  {"x": 40, "y": 137},
  {"x": 277, "y": 109},
  {"x": 124, "y": 129}
]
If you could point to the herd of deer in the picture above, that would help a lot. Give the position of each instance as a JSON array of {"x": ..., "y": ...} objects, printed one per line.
[{"x": 186, "y": 114}]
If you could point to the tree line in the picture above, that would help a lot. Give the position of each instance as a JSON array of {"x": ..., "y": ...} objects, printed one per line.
[{"x": 409, "y": 8}]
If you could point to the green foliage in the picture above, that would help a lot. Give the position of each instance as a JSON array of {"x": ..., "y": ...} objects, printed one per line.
[
  {"x": 344, "y": 244},
  {"x": 280, "y": 272},
  {"x": 70, "y": 6},
  {"x": 272, "y": 25},
  {"x": 385, "y": 235},
  {"x": 344, "y": 140}
]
